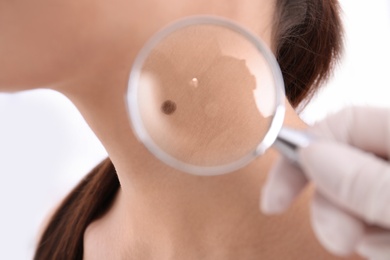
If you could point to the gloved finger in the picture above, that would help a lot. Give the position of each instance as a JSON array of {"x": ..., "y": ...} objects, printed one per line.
[
  {"x": 338, "y": 231},
  {"x": 355, "y": 180},
  {"x": 284, "y": 182},
  {"x": 375, "y": 246},
  {"x": 367, "y": 128}
]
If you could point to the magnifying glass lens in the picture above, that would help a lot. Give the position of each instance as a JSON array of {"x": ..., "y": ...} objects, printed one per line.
[{"x": 205, "y": 95}]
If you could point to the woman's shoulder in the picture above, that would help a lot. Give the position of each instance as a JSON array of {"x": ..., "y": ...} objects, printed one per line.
[{"x": 101, "y": 238}]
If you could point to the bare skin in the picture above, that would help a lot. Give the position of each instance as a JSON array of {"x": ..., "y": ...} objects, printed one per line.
[{"x": 85, "y": 49}]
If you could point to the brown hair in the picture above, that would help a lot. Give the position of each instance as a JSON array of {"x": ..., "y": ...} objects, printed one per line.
[
  {"x": 308, "y": 41},
  {"x": 308, "y": 38}
]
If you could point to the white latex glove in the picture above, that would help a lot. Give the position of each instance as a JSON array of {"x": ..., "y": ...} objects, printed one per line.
[{"x": 350, "y": 211}]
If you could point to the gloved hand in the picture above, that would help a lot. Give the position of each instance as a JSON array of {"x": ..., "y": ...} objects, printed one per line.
[{"x": 348, "y": 166}]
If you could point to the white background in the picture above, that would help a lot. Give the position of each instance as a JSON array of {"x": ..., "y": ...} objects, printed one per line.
[{"x": 46, "y": 147}]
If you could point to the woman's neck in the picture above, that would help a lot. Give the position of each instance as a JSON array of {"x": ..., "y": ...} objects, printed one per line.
[
  {"x": 180, "y": 216},
  {"x": 166, "y": 211}
]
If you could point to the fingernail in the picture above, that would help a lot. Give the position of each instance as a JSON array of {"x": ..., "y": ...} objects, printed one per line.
[{"x": 273, "y": 202}]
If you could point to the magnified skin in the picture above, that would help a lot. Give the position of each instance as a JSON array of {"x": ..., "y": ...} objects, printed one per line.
[{"x": 199, "y": 105}]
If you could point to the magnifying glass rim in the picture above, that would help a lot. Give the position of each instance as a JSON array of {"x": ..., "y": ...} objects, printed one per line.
[{"x": 131, "y": 98}]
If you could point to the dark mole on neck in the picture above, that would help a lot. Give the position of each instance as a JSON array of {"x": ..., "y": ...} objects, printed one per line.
[{"x": 168, "y": 107}]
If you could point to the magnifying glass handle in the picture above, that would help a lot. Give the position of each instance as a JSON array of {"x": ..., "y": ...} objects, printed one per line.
[{"x": 290, "y": 140}]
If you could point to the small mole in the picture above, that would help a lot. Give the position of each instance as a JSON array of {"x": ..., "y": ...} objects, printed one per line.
[{"x": 168, "y": 107}]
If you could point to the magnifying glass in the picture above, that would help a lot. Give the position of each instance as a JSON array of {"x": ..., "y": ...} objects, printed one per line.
[{"x": 206, "y": 97}]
